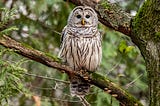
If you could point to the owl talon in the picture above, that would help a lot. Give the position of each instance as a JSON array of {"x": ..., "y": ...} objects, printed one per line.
[{"x": 86, "y": 77}]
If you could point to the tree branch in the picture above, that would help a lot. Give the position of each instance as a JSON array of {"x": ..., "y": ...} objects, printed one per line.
[
  {"x": 109, "y": 14},
  {"x": 96, "y": 79}
]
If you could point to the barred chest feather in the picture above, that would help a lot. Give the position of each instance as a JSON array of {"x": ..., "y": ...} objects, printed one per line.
[{"x": 81, "y": 51}]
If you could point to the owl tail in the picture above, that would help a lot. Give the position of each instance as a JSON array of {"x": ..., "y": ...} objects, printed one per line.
[{"x": 78, "y": 86}]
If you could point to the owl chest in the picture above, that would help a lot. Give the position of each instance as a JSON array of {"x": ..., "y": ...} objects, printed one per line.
[
  {"x": 81, "y": 46},
  {"x": 83, "y": 52}
]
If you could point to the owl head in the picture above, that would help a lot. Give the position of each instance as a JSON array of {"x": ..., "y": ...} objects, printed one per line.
[{"x": 83, "y": 16}]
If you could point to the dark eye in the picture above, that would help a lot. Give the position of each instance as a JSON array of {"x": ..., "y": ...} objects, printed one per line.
[
  {"x": 78, "y": 16},
  {"x": 87, "y": 16}
]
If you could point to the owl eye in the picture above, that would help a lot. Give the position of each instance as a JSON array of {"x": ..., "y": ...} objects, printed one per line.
[
  {"x": 87, "y": 16},
  {"x": 78, "y": 16}
]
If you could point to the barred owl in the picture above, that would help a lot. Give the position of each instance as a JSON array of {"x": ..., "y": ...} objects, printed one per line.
[{"x": 81, "y": 46}]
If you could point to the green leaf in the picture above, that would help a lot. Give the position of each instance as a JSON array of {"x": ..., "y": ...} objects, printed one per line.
[
  {"x": 128, "y": 49},
  {"x": 122, "y": 46},
  {"x": 6, "y": 31}
]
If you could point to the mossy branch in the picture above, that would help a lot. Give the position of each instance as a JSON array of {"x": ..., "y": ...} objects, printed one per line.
[{"x": 96, "y": 79}]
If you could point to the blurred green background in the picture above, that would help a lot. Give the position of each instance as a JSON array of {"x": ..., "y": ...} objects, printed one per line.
[{"x": 38, "y": 23}]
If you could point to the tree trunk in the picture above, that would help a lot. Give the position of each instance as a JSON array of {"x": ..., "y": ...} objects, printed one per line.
[{"x": 146, "y": 35}]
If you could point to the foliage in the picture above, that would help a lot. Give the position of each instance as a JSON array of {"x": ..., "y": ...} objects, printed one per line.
[
  {"x": 11, "y": 78},
  {"x": 6, "y": 16},
  {"x": 39, "y": 25}
]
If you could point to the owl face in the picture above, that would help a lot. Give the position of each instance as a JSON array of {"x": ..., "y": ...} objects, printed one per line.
[{"x": 83, "y": 16}]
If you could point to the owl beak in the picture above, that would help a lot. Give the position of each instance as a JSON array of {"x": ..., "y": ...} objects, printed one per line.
[{"x": 83, "y": 22}]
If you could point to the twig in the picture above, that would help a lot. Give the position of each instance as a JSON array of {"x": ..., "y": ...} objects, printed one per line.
[
  {"x": 63, "y": 100},
  {"x": 129, "y": 84},
  {"x": 84, "y": 101},
  {"x": 48, "y": 78},
  {"x": 51, "y": 88},
  {"x": 42, "y": 88},
  {"x": 114, "y": 67}
]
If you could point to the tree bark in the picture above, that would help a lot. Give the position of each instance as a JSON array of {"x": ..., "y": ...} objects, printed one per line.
[
  {"x": 146, "y": 35},
  {"x": 96, "y": 79}
]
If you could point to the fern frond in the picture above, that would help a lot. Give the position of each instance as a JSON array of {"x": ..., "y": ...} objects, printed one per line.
[
  {"x": 6, "y": 16},
  {"x": 11, "y": 78},
  {"x": 6, "y": 31}
]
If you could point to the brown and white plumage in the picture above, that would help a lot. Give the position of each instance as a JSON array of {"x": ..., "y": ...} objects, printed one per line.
[{"x": 81, "y": 45}]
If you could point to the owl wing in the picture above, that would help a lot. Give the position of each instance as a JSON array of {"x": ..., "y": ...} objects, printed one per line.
[{"x": 63, "y": 33}]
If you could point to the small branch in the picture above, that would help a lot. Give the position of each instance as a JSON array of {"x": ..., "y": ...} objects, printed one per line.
[
  {"x": 93, "y": 78},
  {"x": 57, "y": 99},
  {"x": 49, "y": 78},
  {"x": 132, "y": 82}
]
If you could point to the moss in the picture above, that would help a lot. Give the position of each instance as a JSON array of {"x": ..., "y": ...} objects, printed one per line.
[
  {"x": 157, "y": 35},
  {"x": 105, "y": 4},
  {"x": 27, "y": 46},
  {"x": 138, "y": 20},
  {"x": 142, "y": 24},
  {"x": 95, "y": 76},
  {"x": 55, "y": 58},
  {"x": 112, "y": 88}
]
